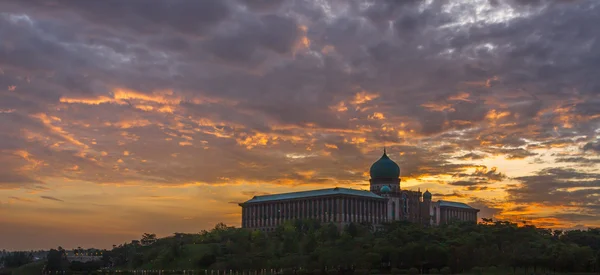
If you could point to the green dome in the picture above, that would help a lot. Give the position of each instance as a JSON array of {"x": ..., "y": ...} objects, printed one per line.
[
  {"x": 427, "y": 195},
  {"x": 385, "y": 168},
  {"x": 385, "y": 189}
]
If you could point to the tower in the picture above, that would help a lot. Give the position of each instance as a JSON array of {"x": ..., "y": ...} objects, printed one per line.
[
  {"x": 385, "y": 181},
  {"x": 426, "y": 211}
]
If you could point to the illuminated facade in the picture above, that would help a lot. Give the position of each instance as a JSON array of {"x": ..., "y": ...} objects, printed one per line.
[{"x": 384, "y": 202}]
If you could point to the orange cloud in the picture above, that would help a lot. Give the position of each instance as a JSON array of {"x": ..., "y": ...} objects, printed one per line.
[
  {"x": 48, "y": 122},
  {"x": 377, "y": 115},
  {"x": 438, "y": 107},
  {"x": 363, "y": 97}
]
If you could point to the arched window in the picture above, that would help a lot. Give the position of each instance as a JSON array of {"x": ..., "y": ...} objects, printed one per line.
[
  {"x": 393, "y": 211},
  {"x": 405, "y": 203}
]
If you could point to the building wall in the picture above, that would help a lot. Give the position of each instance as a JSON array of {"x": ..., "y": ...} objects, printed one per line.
[
  {"x": 448, "y": 214},
  {"x": 337, "y": 209}
]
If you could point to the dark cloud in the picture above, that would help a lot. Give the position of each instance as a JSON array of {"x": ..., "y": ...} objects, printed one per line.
[
  {"x": 51, "y": 198},
  {"x": 580, "y": 160},
  {"x": 558, "y": 187},
  {"x": 592, "y": 146},
  {"x": 454, "y": 194},
  {"x": 480, "y": 176},
  {"x": 471, "y": 156}
]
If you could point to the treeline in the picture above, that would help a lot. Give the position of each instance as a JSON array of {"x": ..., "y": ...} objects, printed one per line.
[
  {"x": 15, "y": 259},
  {"x": 311, "y": 247}
]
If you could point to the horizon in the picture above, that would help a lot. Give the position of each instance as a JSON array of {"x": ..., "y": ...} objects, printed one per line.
[{"x": 114, "y": 124}]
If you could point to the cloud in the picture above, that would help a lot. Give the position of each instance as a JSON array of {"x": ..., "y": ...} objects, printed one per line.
[
  {"x": 564, "y": 187},
  {"x": 592, "y": 146},
  {"x": 51, "y": 198},
  {"x": 480, "y": 176}
]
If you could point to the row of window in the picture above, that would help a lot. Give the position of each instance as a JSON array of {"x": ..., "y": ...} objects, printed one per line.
[{"x": 313, "y": 208}]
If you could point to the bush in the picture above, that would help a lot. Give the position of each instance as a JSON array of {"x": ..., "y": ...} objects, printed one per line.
[
  {"x": 375, "y": 271},
  {"x": 446, "y": 270},
  {"x": 413, "y": 270},
  {"x": 396, "y": 271},
  {"x": 361, "y": 272},
  {"x": 434, "y": 271}
]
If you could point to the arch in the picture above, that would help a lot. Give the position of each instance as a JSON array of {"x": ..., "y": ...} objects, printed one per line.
[
  {"x": 393, "y": 211},
  {"x": 405, "y": 203}
]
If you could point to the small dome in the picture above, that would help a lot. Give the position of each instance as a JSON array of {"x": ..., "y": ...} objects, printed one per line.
[
  {"x": 427, "y": 195},
  {"x": 385, "y": 168},
  {"x": 385, "y": 189}
]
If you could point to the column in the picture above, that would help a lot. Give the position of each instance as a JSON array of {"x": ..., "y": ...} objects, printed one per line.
[
  {"x": 343, "y": 210},
  {"x": 328, "y": 211},
  {"x": 259, "y": 215},
  {"x": 355, "y": 213},
  {"x": 294, "y": 210},
  {"x": 319, "y": 210},
  {"x": 369, "y": 211},
  {"x": 361, "y": 210},
  {"x": 331, "y": 209},
  {"x": 338, "y": 209},
  {"x": 269, "y": 214},
  {"x": 376, "y": 219},
  {"x": 253, "y": 215},
  {"x": 277, "y": 213},
  {"x": 352, "y": 210}
]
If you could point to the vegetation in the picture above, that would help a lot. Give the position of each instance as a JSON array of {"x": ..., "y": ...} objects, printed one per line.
[
  {"x": 29, "y": 269},
  {"x": 308, "y": 247},
  {"x": 16, "y": 259}
]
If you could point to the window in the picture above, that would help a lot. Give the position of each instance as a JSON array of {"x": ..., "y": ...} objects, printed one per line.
[{"x": 393, "y": 211}]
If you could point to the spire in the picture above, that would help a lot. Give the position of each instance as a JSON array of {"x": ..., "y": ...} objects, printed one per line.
[{"x": 384, "y": 156}]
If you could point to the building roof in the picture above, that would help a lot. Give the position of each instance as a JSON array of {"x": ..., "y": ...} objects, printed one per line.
[
  {"x": 384, "y": 168},
  {"x": 314, "y": 193},
  {"x": 454, "y": 204}
]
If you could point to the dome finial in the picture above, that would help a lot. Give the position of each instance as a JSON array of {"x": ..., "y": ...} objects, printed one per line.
[{"x": 384, "y": 152}]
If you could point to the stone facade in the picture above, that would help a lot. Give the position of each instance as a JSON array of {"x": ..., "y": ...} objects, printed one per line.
[
  {"x": 328, "y": 206},
  {"x": 385, "y": 202}
]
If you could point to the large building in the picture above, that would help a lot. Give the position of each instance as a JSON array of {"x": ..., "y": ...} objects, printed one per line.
[{"x": 384, "y": 202}]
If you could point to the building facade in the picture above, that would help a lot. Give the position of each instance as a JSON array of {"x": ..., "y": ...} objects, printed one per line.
[{"x": 384, "y": 202}]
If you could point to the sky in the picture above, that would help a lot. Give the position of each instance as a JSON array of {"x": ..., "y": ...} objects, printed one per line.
[{"x": 124, "y": 117}]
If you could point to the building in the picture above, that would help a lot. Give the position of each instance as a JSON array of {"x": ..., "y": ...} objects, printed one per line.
[{"x": 384, "y": 202}]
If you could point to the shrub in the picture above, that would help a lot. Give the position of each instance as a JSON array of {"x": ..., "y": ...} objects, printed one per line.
[
  {"x": 446, "y": 270},
  {"x": 434, "y": 271},
  {"x": 396, "y": 271},
  {"x": 375, "y": 271},
  {"x": 413, "y": 270},
  {"x": 361, "y": 272}
]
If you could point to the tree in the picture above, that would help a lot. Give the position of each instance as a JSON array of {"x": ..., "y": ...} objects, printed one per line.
[
  {"x": 148, "y": 239},
  {"x": 57, "y": 260}
]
